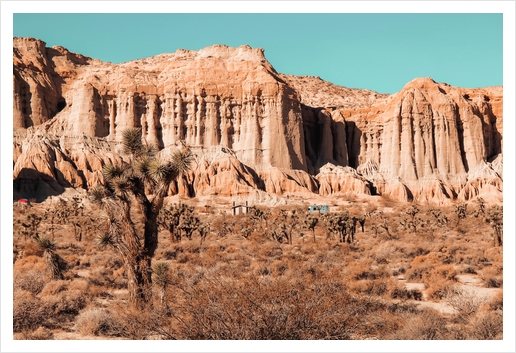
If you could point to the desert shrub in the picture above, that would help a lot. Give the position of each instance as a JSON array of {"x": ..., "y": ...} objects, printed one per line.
[
  {"x": 398, "y": 291},
  {"x": 486, "y": 326},
  {"x": 32, "y": 249},
  {"x": 428, "y": 325},
  {"x": 61, "y": 309},
  {"x": 28, "y": 313},
  {"x": 492, "y": 276},
  {"x": 183, "y": 258},
  {"x": 271, "y": 309},
  {"x": 54, "y": 287},
  {"x": 426, "y": 268},
  {"x": 440, "y": 281},
  {"x": 375, "y": 287},
  {"x": 32, "y": 281},
  {"x": 97, "y": 322},
  {"x": 271, "y": 250},
  {"x": 30, "y": 262},
  {"x": 41, "y": 333},
  {"x": 469, "y": 270},
  {"x": 440, "y": 289},
  {"x": 465, "y": 302},
  {"x": 279, "y": 267},
  {"x": 497, "y": 301}
]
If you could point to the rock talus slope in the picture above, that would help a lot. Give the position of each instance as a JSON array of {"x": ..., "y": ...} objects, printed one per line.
[{"x": 251, "y": 127}]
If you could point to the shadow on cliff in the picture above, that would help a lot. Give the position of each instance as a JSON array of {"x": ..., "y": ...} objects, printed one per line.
[
  {"x": 51, "y": 53},
  {"x": 31, "y": 184},
  {"x": 26, "y": 97}
]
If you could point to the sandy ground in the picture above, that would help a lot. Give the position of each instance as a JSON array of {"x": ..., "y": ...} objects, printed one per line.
[{"x": 468, "y": 282}]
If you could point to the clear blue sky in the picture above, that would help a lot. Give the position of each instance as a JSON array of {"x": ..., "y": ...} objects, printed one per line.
[{"x": 381, "y": 52}]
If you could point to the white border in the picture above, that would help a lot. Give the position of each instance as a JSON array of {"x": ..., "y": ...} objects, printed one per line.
[{"x": 10, "y": 7}]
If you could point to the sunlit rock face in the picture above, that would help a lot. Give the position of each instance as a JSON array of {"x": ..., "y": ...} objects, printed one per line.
[{"x": 251, "y": 127}]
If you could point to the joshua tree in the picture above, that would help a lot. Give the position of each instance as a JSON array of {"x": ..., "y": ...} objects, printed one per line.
[
  {"x": 495, "y": 219},
  {"x": 342, "y": 224},
  {"x": 361, "y": 220},
  {"x": 412, "y": 211},
  {"x": 481, "y": 210},
  {"x": 289, "y": 221},
  {"x": 51, "y": 258},
  {"x": 460, "y": 210},
  {"x": 258, "y": 216},
  {"x": 128, "y": 183},
  {"x": 246, "y": 231},
  {"x": 280, "y": 233},
  {"x": 385, "y": 226},
  {"x": 30, "y": 226},
  {"x": 227, "y": 228},
  {"x": 204, "y": 230},
  {"x": 50, "y": 216},
  {"x": 161, "y": 278},
  {"x": 169, "y": 219},
  {"x": 374, "y": 228},
  {"x": 188, "y": 223},
  {"x": 310, "y": 223}
]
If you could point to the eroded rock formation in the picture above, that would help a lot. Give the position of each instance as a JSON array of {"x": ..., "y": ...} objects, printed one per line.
[{"x": 251, "y": 127}]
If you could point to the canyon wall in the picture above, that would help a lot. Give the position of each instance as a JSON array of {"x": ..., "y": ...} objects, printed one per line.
[{"x": 251, "y": 127}]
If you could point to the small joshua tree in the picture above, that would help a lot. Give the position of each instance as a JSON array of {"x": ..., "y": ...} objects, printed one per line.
[
  {"x": 227, "y": 228},
  {"x": 310, "y": 223},
  {"x": 494, "y": 218},
  {"x": 288, "y": 222},
  {"x": 30, "y": 226},
  {"x": 161, "y": 278},
  {"x": 170, "y": 217},
  {"x": 481, "y": 209},
  {"x": 361, "y": 220},
  {"x": 341, "y": 224},
  {"x": 260, "y": 217},
  {"x": 51, "y": 258},
  {"x": 412, "y": 211},
  {"x": 204, "y": 229},
  {"x": 188, "y": 223},
  {"x": 246, "y": 231},
  {"x": 460, "y": 211}
]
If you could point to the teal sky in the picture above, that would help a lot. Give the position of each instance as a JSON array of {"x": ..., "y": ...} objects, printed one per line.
[{"x": 381, "y": 52}]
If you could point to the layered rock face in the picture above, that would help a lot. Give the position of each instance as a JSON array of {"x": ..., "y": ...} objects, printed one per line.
[
  {"x": 216, "y": 96},
  {"x": 251, "y": 127}
]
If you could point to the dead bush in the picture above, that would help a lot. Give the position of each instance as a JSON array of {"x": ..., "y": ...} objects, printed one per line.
[
  {"x": 497, "y": 301},
  {"x": 492, "y": 276},
  {"x": 486, "y": 326},
  {"x": 377, "y": 287},
  {"x": 28, "y": 312},
  {"x": 465, "y": 302},
  {"x": 54, "y": 287},
  {"x": 98, "y": 322},
  {"x": 62, "y": 308},
  {"x": 428, "y": 325},
  {"x": 32, "y": 280},
  {"x": 41, "y": 333},
  {"x": 253, "y": 309},
  {"x": 31, "y": 262},
  {"x": 400, "y": 292}
]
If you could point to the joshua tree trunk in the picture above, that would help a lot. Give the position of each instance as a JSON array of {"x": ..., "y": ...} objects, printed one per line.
[{"x": 53, "y": 264}]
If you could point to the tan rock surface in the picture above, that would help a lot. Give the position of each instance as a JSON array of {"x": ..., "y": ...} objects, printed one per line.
[{"x": 430, "y": 142}]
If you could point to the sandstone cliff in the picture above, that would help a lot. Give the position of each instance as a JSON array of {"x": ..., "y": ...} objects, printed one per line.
[{"x": 251, "y": 127}]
